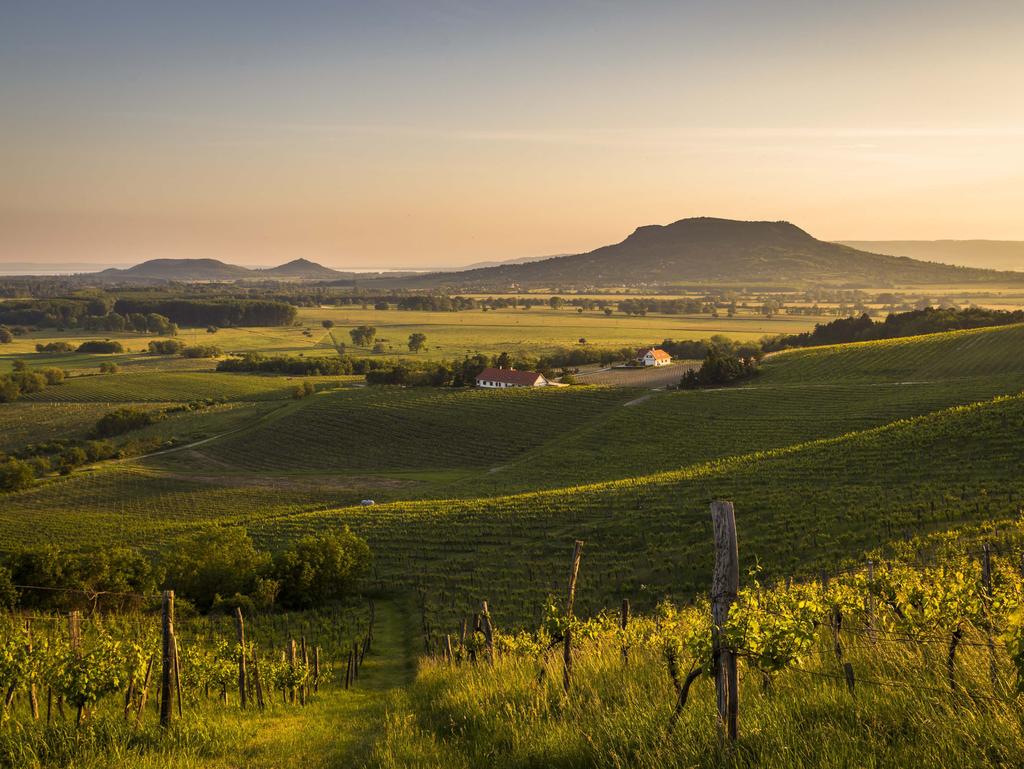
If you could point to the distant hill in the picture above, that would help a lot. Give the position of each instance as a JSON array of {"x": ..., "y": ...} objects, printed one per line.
[
  {"x": 709, "y": 250},
  {"x": 988, "y": 254},
  {"x": 301, "y": 268},
  {"x": 215, "y": 270}
]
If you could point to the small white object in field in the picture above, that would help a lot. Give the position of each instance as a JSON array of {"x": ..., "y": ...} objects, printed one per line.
[{"x": 367, "y": 502}]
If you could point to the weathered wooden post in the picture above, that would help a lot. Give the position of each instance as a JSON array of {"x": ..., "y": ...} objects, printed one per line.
[
  {"x": 291, "y": 665},
  {"x": 725, "y": 584},
  {"x": 624, "y": 623},
  {"x": 304, "y": 687},
  {"x": 316, "y": 669},
  {"x": 32, "y": 696},
  {"x": 167, "y": 657},
  {"x": 240, "y": 625},
  {"x": 986, "y": 583},
  {"x": 574, "y": 568},
  {"x": 488, "y": 630}
]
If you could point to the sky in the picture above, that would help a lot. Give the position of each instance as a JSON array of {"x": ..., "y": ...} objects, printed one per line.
[{"x": 402, "y": 133}]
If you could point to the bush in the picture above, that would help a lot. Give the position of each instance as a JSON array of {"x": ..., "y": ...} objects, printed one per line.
[
  {"x": 56, "y": 347},
  {"x": 215, "y": 564},
  {"x": 6, "y": 337},
  {"x": 321, "y": 568},
  {"x": 107, "y": 347},
  {"x": 15, "y": 475},
  {"x": 201, "y": 351},
  {"x": 166, "y": 347},
  {"x": 718, "y": 369},
  {"x": 109, "y": 368},
  {"x": 53, "y": 376},
  {"x": 121, "y": 421},
  {"x": 303, "y": 390}
]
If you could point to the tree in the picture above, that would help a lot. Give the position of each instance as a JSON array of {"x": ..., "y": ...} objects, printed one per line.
[
  {"x": 363, "y": 336},
  {"x": 328, "y": 324},
  {"x": 607, "y": 312},
  {"x": 321, "y": 568},
  {"x": 417, "y": 341},
  {"x": 216, "y": 564},
  {"x": 381, "y": 305},
  {"x": 6, "y": 337},
  {"x": 15, "y": 474}
]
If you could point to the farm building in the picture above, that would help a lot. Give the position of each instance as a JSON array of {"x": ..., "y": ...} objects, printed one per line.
[
  {"x": 509, "y": 377},
  {"x": 654, "y": 357}
]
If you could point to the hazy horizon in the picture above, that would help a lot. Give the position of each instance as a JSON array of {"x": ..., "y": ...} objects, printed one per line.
[{"x": 407, "y": 135}]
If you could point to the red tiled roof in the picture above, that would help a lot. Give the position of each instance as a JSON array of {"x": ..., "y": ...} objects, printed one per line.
[
  {"x": 658, "y": 354},
  {"x": 508, "y": 375}
]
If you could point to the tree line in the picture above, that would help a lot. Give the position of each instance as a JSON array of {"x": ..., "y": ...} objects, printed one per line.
[{"x": 213, "y": 571}]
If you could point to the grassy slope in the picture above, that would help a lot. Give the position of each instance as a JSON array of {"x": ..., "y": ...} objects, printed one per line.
[
  {"x": 167, "y": 386},
  {"x": 800, "y": 506},
  {"x": 387, "y": 428}
]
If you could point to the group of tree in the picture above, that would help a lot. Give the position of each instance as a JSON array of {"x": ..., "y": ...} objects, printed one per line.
[
  {"x": 220, "y": 312},
  {"x": 214, "y": 571},
  {"x": 254, "y": 362},
  {"x": 95, "y": 313},
  {"x": 719, "y": 368},
  {"x": 863, "y": 328},
  {"x": 22, "y": 381},
  {"x": 101, "y": 347},
  {"x": 363, "y": 336}
]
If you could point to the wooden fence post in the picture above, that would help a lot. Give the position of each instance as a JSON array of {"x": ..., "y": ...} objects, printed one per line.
[
  {"x": 291, "y": 665},
  {"x": 32, "y": 696},
  {"x": 574, "y": 568},
  {"x": 304, "y": 688},
  {"x": 624, "y": 623},
  {"x": 725, "y": 584},
  {"x": 240, "y": 626},
  {"x": 316, "y": 669},
  {"x": 986, "y": 583},
  {"x": 167, "y": 657},
  {"x": 488, "y": 630}
]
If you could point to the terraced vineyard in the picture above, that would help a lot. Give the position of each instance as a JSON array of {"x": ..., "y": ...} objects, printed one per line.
[
  {"x": 932, "y": 357},
  {"x": 387, "y": 428},
  {"x": 808, "y": 505},
  {"x": 175, "y": 387},
  {"x": 25, "y": 423},
  {"x": 674, "y": 429}
]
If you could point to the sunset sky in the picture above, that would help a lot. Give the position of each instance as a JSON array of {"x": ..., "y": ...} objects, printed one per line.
[{"x": 395, "y": 134}]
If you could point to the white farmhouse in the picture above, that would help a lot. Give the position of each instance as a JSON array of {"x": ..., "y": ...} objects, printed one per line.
[
  {"x": 509, "y": 377},
  {"x": 654, "y": 357}
]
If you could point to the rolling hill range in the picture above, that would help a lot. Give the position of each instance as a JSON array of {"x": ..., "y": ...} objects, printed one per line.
[
  {"x": 710, "y": 250},
  {"x": 161, "y": 270},
  {"x": 987, "y": 254},
  {"x": 831, "y": 451}
]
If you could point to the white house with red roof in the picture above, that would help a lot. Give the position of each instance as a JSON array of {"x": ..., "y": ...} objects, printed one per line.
[
  {"x": 654, "y": 357},
  {"x": 509, "y": 377}
]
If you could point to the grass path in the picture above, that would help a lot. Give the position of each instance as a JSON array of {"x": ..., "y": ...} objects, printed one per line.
[{"x": 338, "y": 731}]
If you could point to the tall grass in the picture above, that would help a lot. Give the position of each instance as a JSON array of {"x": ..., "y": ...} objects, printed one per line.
[{"x": 617, "y": 713}]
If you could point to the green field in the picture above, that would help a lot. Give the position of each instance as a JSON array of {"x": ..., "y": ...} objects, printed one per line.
[{"x": 829, "y": 454}]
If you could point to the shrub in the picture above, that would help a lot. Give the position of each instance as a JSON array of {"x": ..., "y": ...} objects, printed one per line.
[
  {"x": 53, "y": 376},
  {"x": 106, "y": 347},
  {"x": 121, "y": 421},
  {"x": 15, "y": 474},
  {"x": 215, "y": 564},
  {"x": 6, "y": 337},
  {"x": 56, "y": 347},
  {"x": 321, "y": 568},
  {"x": 327, "y": 324},
  {"x": 109, "y": 368},
  {"x": 166, "y": 347},
  {"x": 29, "y": 381},
  {"x": 201, "y": 351},
  {"x": 719, "y": 368},
  {"x": 303, "y": 390}
]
